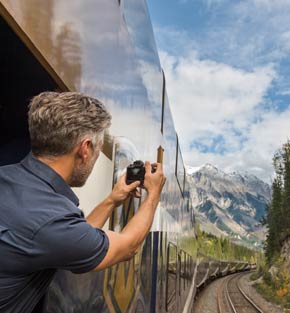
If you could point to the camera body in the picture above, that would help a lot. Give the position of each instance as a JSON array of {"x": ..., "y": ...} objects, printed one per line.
[{"x": 136, "y": 172}]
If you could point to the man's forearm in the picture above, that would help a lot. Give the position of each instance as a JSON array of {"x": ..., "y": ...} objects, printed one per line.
[
  {"x": 139, "y": 226},
  {"x": 98, "y": 217}
]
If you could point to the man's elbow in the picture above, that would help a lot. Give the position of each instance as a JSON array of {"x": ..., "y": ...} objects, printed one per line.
[
  {"x": 127, "y": 255},
  {"x": 131, "y": 254}
]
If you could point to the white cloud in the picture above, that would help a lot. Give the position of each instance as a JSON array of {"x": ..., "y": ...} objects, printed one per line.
[
  {"x": 213, "y": 97},
  {"x": 209, "y": 3},
  {"x": 222, "y": 81},
  {"x": 211, "y": 100},
  {"x": 271, "y": 4}
]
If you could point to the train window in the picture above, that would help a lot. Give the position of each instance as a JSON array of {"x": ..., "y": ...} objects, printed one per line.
[
  {"x": 179, "y": 168},
  {"x": 184, "y": 183},
  {"x": 179, "y": 274},
  {"x": 160, "y": 271},
  {"x": 169, "y": 133},
  {"x": 186, "y": 271},
  {"x": 186, "y": 193},
  {"x": 22, "y": 77},
  {"x": 189, "y": 269},
  {"x": 192, "y": 216},
  {"x": 163, "y": 268},
  {"x": 187, "y": 275},
  {"x": 171, "y": 275},
  {"x": 163, "y": 101},
  {"x": 170, "y": 145},
  {"x": 183, "y": 268}
]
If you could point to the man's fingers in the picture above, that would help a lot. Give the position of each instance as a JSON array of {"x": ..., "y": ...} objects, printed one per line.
[
  {"x": 122, "y": 177},
  {"x": 135, "y": 194},
  {"x": 147, "y": 167},
  {"x": 158, "y": 166},
  {"x": 134, "y": 185}
]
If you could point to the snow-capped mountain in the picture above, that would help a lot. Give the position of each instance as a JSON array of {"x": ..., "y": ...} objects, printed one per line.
[{"x": 229, "y": 204}]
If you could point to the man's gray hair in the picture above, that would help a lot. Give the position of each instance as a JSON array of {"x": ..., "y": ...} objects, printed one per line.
[{"x": 59, "y": 121}]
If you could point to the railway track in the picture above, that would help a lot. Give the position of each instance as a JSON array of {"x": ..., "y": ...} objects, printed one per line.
[{"x": 232, "y": 299}]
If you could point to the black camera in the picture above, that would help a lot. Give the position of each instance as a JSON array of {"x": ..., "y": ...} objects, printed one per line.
[{"x": 136, "y": 172}]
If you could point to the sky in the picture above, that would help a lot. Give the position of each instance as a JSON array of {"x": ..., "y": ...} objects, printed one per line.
[{"x": 227, "y": 71}]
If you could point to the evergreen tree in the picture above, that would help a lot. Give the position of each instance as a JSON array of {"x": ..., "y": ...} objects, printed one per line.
[
  {"x": 278, "y": 210},
  {"x": 286, "y": 192},
  {"x": 274, "y": 220},
  {"x": 226, "y": 248},
  {"x": 219, "y": 253}
]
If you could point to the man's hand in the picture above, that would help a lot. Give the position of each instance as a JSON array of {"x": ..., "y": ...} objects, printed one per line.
[
  {"x": 154, "y": 182},
  {"x": 122, "y": 191}
]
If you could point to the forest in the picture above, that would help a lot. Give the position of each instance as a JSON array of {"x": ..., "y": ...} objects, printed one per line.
[
  {"x": 275, "y": 285},
  {"x": 277, "y": 218}
]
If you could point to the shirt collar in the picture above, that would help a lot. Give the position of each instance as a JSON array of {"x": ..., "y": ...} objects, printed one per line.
[{"x": 47, "y": 174}]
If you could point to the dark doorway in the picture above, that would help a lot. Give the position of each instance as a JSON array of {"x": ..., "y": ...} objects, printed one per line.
[{"x": 22, "y": 77}]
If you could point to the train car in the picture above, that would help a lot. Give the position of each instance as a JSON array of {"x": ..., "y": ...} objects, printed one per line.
[{"x": 106, "y": 49}]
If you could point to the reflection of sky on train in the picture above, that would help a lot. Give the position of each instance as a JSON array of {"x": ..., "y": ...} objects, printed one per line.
[
  {"x": 125, "y": 154},
  {"x": 128, "y": 80},
  {"x": 119, "y": 79},
  {"x": 227, "y": 69},
  {"x": 140, "y": 28},
  {"x": 153, "y": 81},
  {"x": 141, "y": 32},
  {"x": 119, "y": 76},
  {"x": 134, "y": 123},
  {"x": 116, "y": 72}
]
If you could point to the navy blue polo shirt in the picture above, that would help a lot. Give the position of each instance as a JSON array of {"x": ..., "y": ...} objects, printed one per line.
[{"x": 41, "y": 230}]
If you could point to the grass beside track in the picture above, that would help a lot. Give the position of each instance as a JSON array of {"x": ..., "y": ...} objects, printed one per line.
[{"x": 269, "y": 292}]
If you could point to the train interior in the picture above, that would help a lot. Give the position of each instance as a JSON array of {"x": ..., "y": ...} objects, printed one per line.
[{"x": 22, "y": 77}]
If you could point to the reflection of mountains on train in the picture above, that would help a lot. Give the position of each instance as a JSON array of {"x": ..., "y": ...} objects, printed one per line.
[
  {"x": 63, "y": 51},
  {"x": 68, "y": 56},
  {"x": 229, "y": 204}
]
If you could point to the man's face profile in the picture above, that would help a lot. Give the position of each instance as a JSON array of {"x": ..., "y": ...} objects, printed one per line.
[{"x": 82, "y": 170}]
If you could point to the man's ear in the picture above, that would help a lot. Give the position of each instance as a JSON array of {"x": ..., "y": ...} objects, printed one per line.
[{"x": 84, "y": 149}]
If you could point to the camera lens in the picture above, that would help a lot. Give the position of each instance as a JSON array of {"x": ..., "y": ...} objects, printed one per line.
[{"x": 135, "y": 171}]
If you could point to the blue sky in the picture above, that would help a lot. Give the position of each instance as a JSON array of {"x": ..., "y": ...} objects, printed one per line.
[{"x": 227, "y": 69}]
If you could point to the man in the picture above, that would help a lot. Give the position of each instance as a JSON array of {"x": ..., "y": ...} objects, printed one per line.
[{"x": 41, "y": 227}]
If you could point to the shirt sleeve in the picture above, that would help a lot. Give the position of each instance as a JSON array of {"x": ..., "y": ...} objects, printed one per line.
[{"x": 70, "y": 243}]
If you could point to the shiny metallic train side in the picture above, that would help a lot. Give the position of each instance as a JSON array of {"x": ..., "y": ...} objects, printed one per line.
[{"x": 106, "y": 49}]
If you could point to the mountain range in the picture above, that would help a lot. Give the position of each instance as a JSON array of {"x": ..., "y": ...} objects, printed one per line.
[{"x": 229, "y": 204}]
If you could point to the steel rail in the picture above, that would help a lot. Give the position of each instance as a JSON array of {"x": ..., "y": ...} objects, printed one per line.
[
  {"x": 248, "y": 298},
  {"x": 219, "y": 296},
  {"x": 228, "y": 294},
  {"x": 225, "y": 288}
]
